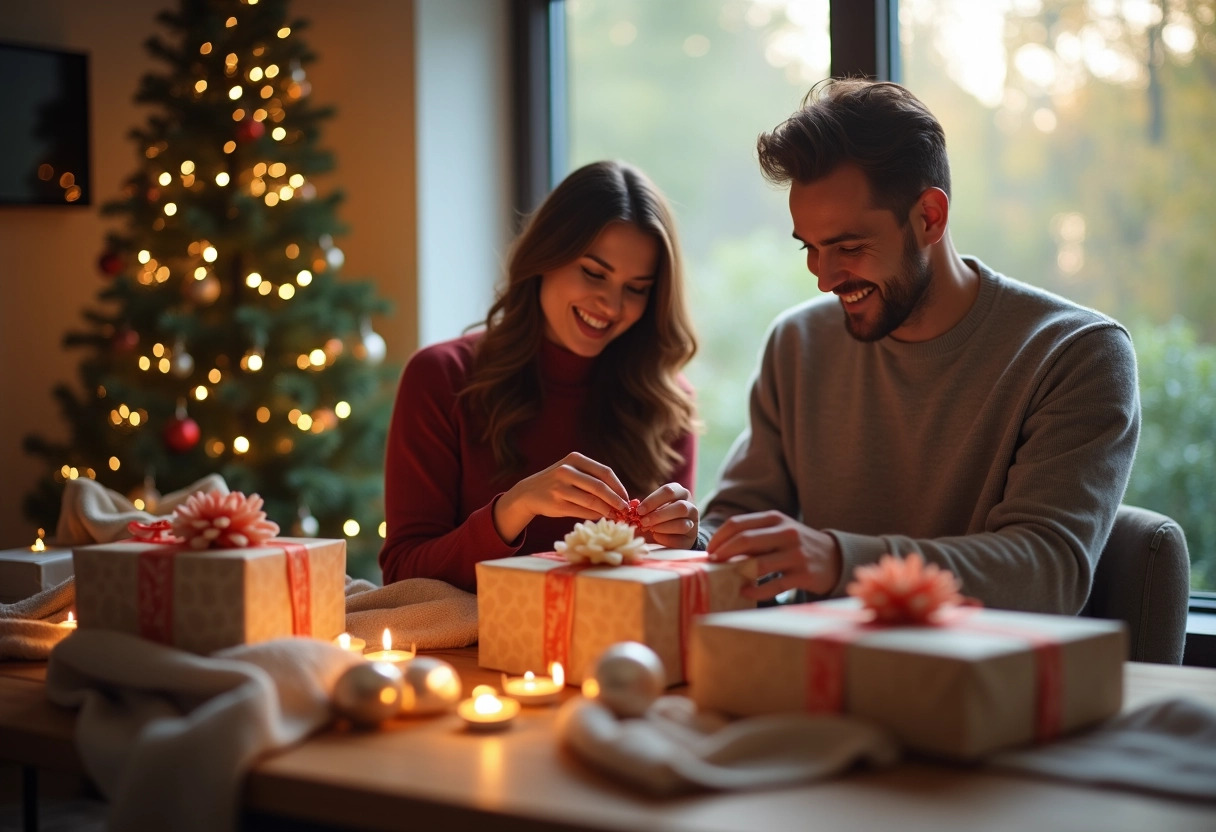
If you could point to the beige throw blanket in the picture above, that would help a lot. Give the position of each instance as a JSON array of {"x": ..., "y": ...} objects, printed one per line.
[{"x": 167, "y": 736}]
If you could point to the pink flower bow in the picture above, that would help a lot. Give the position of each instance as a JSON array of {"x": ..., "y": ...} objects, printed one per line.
[
  {"x": 904, "y": 591},
  {"x": 222, "y": 521}
]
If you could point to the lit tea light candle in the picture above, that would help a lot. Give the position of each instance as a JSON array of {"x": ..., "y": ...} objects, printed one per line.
[
  {"x": 486, "y": 711},
  {"x": 352, "y": 643},
  {"x": 70, "y": 623},
  {"x": 531, "y": 689},
  {"x": 388, "y": 654}
]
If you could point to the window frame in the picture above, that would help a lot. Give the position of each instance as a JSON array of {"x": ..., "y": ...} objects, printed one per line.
[{"x": 864, "y": 42}]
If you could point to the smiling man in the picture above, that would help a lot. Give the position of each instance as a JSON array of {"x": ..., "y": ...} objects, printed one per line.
[{"x": 955, "y": 412}]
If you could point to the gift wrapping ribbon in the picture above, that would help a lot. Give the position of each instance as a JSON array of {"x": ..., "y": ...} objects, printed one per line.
[
  {"x": 154, "y": 581},
  {"x": 827, "y": 657},
  {"x": 559, "y": 601}
]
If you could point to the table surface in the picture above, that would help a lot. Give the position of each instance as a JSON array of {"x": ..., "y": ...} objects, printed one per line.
[{"x": 424, "y": 773}]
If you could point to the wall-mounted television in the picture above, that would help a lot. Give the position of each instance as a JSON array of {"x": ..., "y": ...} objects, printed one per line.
[{"x": 44, "y": 126}]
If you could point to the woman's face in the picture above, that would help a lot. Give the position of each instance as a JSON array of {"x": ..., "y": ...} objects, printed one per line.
[{"x": 593, "y": 300}]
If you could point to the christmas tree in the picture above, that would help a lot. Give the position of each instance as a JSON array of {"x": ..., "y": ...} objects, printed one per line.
[{"x": 226, "y": 341}]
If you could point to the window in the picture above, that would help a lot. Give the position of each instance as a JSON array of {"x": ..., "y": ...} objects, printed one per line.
[
  {"x": 1079, "y": 135},
  {"x": 1080, "y": 140},
  {"x": 682, "y": 89}
]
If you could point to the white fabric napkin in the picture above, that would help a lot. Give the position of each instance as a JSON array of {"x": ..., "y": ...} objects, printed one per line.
[
  {"x": 168, "y": 736},
  {"x": 673, "y": 748},
  {"x": 92, "y": 513}
]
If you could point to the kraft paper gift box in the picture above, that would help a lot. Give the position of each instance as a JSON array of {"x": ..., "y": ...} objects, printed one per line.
[
  {"x": 606, "y": 604},
  {"x": 24, "y": 572},
  {"x": 205, "y": 600},
  {"x": 983, "y": 681}
]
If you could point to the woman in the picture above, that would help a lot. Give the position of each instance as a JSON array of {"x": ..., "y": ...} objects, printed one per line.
[{"x": 565, "y": 406}]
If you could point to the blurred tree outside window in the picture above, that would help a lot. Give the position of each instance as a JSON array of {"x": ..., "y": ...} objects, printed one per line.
[{"x": 1079, "y": 134}]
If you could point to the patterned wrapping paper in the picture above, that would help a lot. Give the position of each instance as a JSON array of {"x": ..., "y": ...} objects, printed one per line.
[
  {"x": 24, "y": 572},
  {"x": 220, "y": 597},
  {"x": 960, "y": 691},
  {"x": 610, "y": 604}
]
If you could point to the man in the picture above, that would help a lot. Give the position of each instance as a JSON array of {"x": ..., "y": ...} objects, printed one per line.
[{"x": 986, "y": 424}]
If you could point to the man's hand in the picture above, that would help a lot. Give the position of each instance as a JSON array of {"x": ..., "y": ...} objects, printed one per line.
[{"x": 806, "y": 558}]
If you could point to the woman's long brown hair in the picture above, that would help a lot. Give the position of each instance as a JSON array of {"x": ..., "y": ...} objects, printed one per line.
[{"x": 637, "y": 407}]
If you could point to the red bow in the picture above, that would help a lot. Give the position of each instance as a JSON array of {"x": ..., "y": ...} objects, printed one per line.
[{"x": 158, "y": 531}]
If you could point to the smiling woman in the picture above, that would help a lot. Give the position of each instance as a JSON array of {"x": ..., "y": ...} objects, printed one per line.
[
  {"x": 566, "y": 405},
  {"x": 593, "y": 300}
]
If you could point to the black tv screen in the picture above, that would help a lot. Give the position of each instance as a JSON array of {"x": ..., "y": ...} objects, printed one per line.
[{"x": 44, "y": 126}]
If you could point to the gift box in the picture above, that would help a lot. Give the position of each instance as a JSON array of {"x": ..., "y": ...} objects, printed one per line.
[
  {"x": 205, "y": 600},
  {"x": 972, "y": 682},
  {"x": 25, "y": 572},
  {"x": 538, "y": 609}
]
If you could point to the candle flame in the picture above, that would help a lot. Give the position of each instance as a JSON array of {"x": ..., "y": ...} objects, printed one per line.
[
  {"x": 344, "y": 641},
  {"x": 39, "y": 546},
  {"x": 487, "y": 704},
  {"x": 558, "y": 673},
  {"x": 71, "y": 616},
  {"x": 387, "y": 639},
  {"x": 528, "y": 674}
]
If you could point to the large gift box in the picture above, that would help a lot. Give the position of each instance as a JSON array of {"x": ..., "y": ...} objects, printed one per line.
[
  {"x": 535, "y": 610},
  {"x": 25, "y": 572},
  {"x": 205, "y": 600},
  {"x": 975, "y": 681}
]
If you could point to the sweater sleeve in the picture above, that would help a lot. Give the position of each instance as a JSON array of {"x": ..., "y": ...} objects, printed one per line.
[
  {"x": 426, "y": 537},
  {"x": 1041, "y": 540}
]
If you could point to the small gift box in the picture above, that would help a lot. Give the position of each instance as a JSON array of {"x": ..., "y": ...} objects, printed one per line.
[
  {"x": 966, "y": 683},
  {"x": 206, "y": 599},
  {"x": 535, "y": 610},
  {"x": 28, "y": 571}
]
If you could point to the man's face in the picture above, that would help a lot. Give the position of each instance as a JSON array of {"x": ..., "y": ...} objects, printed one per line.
[{"x": 860, "y": 253}]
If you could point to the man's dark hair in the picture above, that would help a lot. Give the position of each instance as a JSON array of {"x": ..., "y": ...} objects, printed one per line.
[{"x": 879, "y": 126}]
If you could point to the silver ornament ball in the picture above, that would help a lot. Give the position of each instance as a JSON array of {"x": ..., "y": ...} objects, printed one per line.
[
  {"x": 181, "y": 364},
  {"x": 368, "y": 693},
  {"x": 630, "y": 677},
  {"x": 429, "y": 686}
]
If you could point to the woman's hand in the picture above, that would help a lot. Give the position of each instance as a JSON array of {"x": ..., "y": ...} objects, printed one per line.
[
  {"x": 669, "y": 517},
  {"x": 574, "y": 486}
]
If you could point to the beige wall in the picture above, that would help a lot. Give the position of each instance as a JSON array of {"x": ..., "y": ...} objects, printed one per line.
[{"x": 47, "y": 255}]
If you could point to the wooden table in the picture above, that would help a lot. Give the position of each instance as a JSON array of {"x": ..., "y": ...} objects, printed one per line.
[{"x": 430, "y": 774}]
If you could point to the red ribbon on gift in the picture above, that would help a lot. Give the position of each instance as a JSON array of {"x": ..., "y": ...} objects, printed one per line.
[
  {"x": 154, "y": 580},
  {"x": 299, "y": 585},
  {"x": 827, "y": 655},
  {"x": 559, "y": 601}
]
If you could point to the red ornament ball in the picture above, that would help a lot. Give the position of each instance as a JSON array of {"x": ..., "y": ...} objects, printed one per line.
[
  {"x": 249, "y": 130},
  {"x": 124, "y": 339},
  {"x": 181, "y": 434},
  {"x": 110, "y": 263}
]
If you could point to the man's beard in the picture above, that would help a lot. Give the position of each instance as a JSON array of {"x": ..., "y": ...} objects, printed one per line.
[{"x": 902, "y": 298}]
